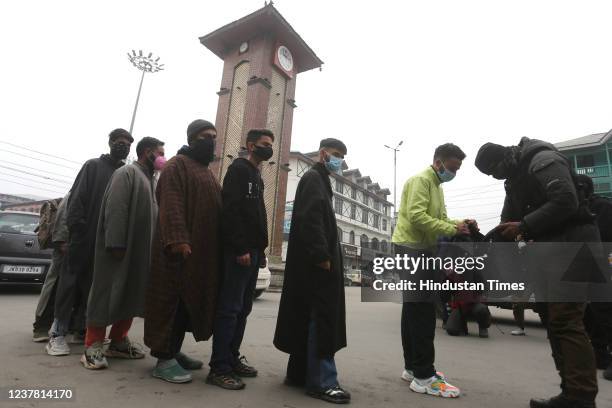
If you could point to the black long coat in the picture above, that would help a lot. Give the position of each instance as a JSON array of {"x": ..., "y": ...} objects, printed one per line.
[{"x": 309, "y": 290}]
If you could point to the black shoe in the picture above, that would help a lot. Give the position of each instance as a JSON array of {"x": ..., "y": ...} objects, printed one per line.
[
  {"x": 243, "y": 369},
  {"x": 608, "y": 373},
  {"x": 483, "y": 333},
  {"x": 225, "y": 381},
  {"x": 560, "y": 401},
  {"x": 602, "y": 359},
  {"x": 335, "y": 395}
]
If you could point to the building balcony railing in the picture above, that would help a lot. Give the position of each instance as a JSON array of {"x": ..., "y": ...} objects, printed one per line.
[{"x": 594, "y": 171}]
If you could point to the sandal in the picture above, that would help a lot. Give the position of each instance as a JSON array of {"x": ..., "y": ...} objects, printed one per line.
[{"x": 225, "y": 381}]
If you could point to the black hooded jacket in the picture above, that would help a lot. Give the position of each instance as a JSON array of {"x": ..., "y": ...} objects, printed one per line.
[
  {"x": 244, "y": 225},
  {"x": 542, "y": 193}
]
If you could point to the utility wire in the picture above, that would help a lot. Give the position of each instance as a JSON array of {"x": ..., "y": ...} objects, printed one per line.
[
  {"x": 36, "y": 158},
  {"x": 36, "y": 151},
  {"x": 44, "y": 171},
  {"x": 35, "y": 175},
  {"x": 26, "y": 185},
  {"x": 31, "y": 181}
]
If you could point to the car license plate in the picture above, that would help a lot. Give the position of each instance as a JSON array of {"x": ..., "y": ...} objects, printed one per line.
[{"x": 22, "y": 269}]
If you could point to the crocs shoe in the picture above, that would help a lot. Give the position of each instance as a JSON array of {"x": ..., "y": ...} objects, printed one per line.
[
  {"x": 436, "y": 386},
  {"x": 172, "y": 372}
]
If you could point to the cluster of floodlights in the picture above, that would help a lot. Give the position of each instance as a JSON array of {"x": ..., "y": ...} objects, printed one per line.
[{"x": 146, "y": 63}]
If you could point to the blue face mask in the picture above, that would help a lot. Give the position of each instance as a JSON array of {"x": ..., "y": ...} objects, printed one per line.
[
  {"x": 445, "y": 174},
  {"x": 334, "y": 164}
]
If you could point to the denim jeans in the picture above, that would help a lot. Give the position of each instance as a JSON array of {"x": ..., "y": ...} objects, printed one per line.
[
  {"x": 306, "y": 368},
  {"x": 234, "y": 305}
]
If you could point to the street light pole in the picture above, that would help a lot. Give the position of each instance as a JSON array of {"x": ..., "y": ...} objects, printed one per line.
[
  {"x": 145, "y": 64},
  {"x": 395, "y": 150}
]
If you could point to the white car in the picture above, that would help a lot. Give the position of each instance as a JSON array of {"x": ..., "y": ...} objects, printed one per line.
[{"x": 263, "y": 281}]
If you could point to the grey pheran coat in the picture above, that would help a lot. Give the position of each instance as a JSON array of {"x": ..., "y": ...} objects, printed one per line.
[{"x": 127, "y": 219}]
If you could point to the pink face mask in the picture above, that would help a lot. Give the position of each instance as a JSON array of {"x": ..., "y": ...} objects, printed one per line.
[{"x": 159, "y": 163}]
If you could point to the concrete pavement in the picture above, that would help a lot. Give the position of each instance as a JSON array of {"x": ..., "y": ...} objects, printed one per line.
[{"x": 502, "y": 371}]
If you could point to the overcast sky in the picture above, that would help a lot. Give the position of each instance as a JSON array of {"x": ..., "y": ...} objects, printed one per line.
[{"x": 425, "y": 72}]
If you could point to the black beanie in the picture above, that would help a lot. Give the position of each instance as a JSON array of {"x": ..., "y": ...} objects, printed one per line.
[
  {"x": 333, "y": 143},
  {"x": 489, "y": 155},
  {"x": 118, "y": 133},
  {"x": 196, "y": 127}
]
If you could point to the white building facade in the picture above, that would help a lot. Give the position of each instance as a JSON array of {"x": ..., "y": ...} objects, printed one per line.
[{"x": 363, "y": 213}]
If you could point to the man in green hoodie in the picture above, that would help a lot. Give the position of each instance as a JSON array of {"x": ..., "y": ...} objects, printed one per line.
[{"x": 422, "y": 220}]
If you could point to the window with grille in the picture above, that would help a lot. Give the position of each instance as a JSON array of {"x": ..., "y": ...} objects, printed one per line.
[
  {"x": 375, "y": 221},
  {"x": 374, "y": 243},
  {"x": 384, "y": 246},
  {"x": 352, "y": 238},
  {"x": 353, "y": 211},
  {"x": 339, "y": 187},
  {"x": 340, "y": 235},
  {"x": 364, "y": 241},
  {"x": 384, "y": 224},
  {"x": 353, "y": 193},
  {"x": 364, "y": 216},
  {"x": 338, "y": 206}
]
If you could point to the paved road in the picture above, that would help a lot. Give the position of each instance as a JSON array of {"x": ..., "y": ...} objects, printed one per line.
[{"x": 503, "y": 371}]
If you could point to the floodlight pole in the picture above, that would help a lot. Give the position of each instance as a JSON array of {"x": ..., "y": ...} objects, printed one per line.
[
  {"x": 395, "y": 150},
  {"x": 137, "y": 99}
]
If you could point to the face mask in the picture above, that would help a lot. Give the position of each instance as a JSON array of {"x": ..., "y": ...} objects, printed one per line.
[
  {"x": 159, "y": 163},
  {"x": 263, "y": 152},
  {"x": 334, "y": 164},
  {"x": 445, "y": 174},
  {"x": 203, "y": 150},
  {"x": 119, "y": 151}
]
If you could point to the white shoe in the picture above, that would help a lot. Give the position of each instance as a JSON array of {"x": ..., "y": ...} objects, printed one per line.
[
  {"x": 436, "y": 386},
  {"x": 57, "y": 346},
  {"x": 408, "y": 375},
  {"x": 518, "y": 332}
]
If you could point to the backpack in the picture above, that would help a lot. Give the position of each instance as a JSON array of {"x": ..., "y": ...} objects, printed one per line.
[{"x": 48, "y": 214}]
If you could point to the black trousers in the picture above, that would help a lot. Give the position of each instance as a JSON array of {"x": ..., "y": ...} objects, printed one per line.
[
  {"x": 571, "y": 349},
  {"x": 418, "y": 331},
  {"x": 598, "y": 323},
  {"x": 180, "y": 326}
]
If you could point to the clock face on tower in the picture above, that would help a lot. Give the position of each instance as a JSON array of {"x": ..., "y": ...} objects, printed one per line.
[{"x": 285, "y": 59}]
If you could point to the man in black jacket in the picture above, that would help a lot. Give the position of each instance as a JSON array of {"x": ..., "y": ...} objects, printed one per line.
[
  {"x": 311, "y": 323},
  {"x": 245, "y": 237},
  {"x": 82, "y": 220},
  {"x": 542, "y": 204},
  {"x": 598, "y": 316}
]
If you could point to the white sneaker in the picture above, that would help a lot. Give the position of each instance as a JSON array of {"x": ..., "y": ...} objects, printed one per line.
[
  {"x": 57, "y": 346},
  {"x": 436, "y": 386},
  {"x": 518, "y": 332},
  {"x": 408, "y": 375}
]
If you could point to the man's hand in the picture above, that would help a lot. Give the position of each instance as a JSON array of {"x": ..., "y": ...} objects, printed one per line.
[
  {"x": 244, "y": 260},
  {"x": 470, "y": 222},
  {"x": 325, "y": 265},
  {"x": 462, "y": 229},
  {"x": 118, "y": 253},
  {"x": 509, "y": 230},
  {"x": 184, "y": 250}
]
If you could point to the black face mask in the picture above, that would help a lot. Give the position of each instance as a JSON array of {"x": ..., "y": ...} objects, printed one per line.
[
  {"x": 120, "y": 151},
  {"x": 203, "y": 150},
  {"x": 263, "y": 152}
]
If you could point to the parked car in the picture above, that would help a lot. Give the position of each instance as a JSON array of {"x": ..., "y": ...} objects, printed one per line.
[
  {"x": 21, "y": 259},
  {"x": 263, "y": 281}
]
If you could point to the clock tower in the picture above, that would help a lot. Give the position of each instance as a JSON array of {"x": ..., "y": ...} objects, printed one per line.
[{"x": 262, "y": 56}]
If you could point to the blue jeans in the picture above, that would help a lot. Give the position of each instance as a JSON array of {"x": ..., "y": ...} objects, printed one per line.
[
  {"x": 308, "y": 369},
  {"x": 234, "y": 305}
]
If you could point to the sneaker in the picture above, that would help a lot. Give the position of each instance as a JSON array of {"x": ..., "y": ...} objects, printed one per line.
[
  {"x": 172, "y": 372},
  {"x": 243, "y": 369},
  {"x": 227, "y": 381},
  {"x": 408, "y": 375},
  {"x": 57, "y": 346},
  {"x": 38, "y": 336},
  {"x": 93, "y": 357},
  {"x": 125, "y": 349},
  {"x": 518, "y": 332},
  {"x": 436, "y": 386},
  {"x": 335, "y": 395},
  {"x": 188, "y": 363},
  {"x": 483, "y": 333}
]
